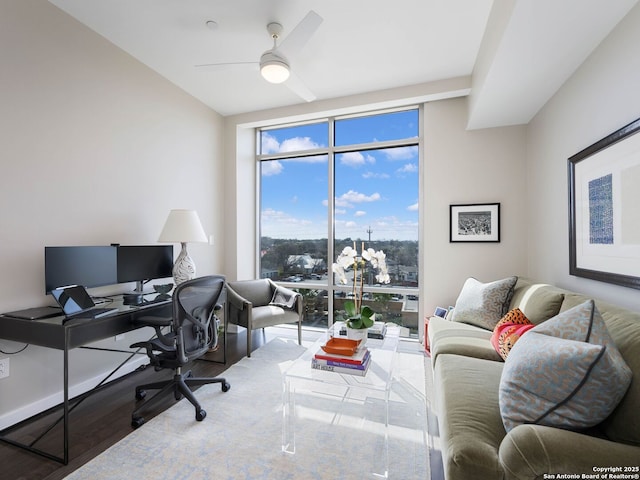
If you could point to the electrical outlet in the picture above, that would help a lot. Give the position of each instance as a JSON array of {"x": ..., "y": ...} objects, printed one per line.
[
  {"x": 117, "y": 338},
  {"x": 4, "y": 368}
]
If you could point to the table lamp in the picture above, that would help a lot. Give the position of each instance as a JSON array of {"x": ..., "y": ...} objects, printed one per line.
[{"x": 183, "y": 226}]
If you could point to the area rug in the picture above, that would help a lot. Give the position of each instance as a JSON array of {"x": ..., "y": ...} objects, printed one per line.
[{"x": 241, "y": 436}]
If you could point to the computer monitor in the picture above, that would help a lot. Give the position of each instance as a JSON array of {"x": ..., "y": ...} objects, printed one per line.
[
  {"x": 140, "y": 263},
  {"x": 90, "y": 266}
]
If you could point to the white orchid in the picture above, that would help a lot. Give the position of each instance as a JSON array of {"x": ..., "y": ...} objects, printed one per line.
[{"x": 360, "y": 316}]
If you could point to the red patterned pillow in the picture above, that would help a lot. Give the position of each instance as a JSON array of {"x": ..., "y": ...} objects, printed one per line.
[{"x": 508, "y": 330}]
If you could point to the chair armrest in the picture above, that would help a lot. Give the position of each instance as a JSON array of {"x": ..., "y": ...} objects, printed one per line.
[
  {"x": 154, "y": 321},
  {"x": 236, "y": 300},
  {"x": 530, "y": 451},
  {"x": 158, "y": 323}
]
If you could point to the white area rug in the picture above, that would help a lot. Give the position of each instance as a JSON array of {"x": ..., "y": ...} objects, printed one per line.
[{"x": 241, "y": 436}]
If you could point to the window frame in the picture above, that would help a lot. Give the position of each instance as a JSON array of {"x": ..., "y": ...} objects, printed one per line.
[{"x": 331, "y": 151}]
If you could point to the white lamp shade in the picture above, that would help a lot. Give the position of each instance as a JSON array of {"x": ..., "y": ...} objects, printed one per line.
[{"x": 183, "y": 226}]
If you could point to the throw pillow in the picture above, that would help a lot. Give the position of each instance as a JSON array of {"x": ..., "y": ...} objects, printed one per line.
[
  {"x": 566, "y": 373},
  {"x": 284, "y": 298},
  {"x": 508, "y": 330},
  {"x": 483, "y": 304}
]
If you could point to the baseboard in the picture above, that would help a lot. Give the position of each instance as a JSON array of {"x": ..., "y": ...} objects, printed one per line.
[{"x": 27, "y": 411}]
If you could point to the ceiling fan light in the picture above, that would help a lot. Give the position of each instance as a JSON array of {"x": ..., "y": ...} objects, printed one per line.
[{"x": 274, "y": 70}]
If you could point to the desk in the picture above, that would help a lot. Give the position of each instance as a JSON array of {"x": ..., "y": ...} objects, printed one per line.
[{"x": 63, "y": 335}]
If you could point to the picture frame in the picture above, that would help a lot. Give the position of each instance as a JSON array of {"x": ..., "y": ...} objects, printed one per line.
[
  {"x": 604, "y": 226},
  {"x": 474, "y": 222},
  {"x": 440, "y": 312}
]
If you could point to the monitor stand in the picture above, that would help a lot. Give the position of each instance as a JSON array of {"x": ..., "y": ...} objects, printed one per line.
[{"x": 139, "y": 287}]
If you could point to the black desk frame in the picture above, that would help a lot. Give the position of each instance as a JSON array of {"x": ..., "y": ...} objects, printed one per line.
[{"x": 77, "y": 333}]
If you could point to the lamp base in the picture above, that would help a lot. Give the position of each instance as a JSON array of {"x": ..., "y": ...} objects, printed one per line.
[{"x": 184, "y": 269}]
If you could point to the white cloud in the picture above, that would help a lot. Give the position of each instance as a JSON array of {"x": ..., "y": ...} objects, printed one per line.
[
  {"x": 279, "y": 224},
  {"x": 272, "y": 167},
  {"x": 347, "y": 200},
  {"x": 368, "y": 175},
  {"x": 356, "y": 159},
  {"x": 298, "y": 143},
  {"x": 408, "y": 168},
  {"x": 360, "y": 213},
  {"x": 413, "y": 208},
  {"x": 401, "y": 153},
  {"x": 269, "y": 144}
]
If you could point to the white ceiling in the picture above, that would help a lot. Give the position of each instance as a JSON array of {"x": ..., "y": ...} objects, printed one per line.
[{"x": 518, "y": 51}]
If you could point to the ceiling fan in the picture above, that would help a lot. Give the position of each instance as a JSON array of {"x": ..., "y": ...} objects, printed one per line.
[{"x": 274, "y": 63}]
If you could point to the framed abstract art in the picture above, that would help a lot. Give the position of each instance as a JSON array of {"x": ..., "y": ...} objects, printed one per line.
[{"x": 604, "y": 209}]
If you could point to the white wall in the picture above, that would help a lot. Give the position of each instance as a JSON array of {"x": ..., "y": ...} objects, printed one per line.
[
  {"x": 463, "y": 167},
  {"x": 597, "y": 100},
  {"x": 95, "y": 148}
]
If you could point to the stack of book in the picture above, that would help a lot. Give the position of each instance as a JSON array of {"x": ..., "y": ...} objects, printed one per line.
[
  {"x": 357, "y": 364},
  {"x": 377, "y": 330}
]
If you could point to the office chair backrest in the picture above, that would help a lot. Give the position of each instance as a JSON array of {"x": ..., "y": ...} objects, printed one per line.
[{"x": 193, "y": 307}]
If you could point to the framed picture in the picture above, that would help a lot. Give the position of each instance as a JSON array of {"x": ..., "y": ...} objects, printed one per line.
[
  {"x": 440, "y": 312},
  {"x": 476, "y": 222},
  {"x": 604, "y": 209}
]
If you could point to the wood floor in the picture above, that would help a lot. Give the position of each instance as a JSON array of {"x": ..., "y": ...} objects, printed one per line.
[{"x": 105, "y": 417}]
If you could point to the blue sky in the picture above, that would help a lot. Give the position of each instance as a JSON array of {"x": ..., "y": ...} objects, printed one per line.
[{"x": 374, "y": 189}]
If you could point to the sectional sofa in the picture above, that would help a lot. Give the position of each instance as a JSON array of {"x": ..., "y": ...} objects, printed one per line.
[{"x": 564, "y": 402}]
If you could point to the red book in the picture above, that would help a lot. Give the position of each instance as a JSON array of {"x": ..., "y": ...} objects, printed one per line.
[{"x": 357, "y": 358}]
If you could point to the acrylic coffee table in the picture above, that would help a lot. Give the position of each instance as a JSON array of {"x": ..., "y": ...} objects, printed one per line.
[{"x": 337, "y": 391}]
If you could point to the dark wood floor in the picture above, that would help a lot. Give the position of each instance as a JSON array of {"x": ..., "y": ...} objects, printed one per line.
[{"x": 103, "y": 419}]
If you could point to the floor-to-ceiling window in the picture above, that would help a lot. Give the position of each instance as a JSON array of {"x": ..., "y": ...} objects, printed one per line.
[{"x": 340, "y": 182}]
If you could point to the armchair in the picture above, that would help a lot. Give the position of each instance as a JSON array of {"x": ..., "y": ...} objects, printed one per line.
[
  {"x": 255, "y": 304},
  {"x": 189, "y": 337}
]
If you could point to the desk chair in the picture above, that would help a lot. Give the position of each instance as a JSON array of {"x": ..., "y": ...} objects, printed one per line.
[
  {"x": 254, "y": 304},
  {"x": 194, "y": 307}
]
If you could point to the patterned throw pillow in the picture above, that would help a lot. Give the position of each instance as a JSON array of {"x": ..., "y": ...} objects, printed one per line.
[
  {"x": 508, "y": 330},
  {"x": 566, "y": 372},
  {"x": 483, "y": 304},
  {"x": 283, "y": 298}
]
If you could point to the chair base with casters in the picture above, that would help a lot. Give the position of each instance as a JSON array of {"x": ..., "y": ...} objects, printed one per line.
[
  {"x": 180, "y": 385},
  {"x": 181, "y": 339}
]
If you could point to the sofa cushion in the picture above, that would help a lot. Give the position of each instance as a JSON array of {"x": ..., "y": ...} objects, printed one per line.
[
  {"x": 483, "y": 304},
  {"x": 469, "y": 423},
  {"x": 623, "y": 425},
  {"x": 460, "y": 338},
  {"x": 508, "y": 330},
  {"x": 565, "y": 373},
  {"x": 538, "y": 301}
]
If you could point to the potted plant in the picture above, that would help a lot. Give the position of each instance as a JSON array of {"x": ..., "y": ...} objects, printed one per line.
[{"x": 359, "y": 317}]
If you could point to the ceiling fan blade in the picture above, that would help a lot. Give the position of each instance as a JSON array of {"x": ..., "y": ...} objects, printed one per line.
[
  {"x": 297, "y": 86},
  {"x": 301, "y": 34},
  {"x": 207, "y": 67}
]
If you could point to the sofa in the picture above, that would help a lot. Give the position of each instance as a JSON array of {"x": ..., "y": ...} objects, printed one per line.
[{"x": 471, "y": 393}]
